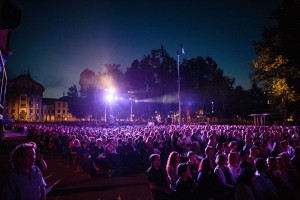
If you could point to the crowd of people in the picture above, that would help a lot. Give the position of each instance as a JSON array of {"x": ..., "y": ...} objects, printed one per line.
[{"x": 186, "y": 162}]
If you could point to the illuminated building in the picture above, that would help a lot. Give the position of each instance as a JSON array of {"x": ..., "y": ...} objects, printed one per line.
[
  {"x": 24, "y": 99},
  {"x": 57, "y": 110}
]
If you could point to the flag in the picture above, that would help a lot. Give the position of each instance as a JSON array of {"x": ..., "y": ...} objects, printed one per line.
[{"x": 182, "y": 50}]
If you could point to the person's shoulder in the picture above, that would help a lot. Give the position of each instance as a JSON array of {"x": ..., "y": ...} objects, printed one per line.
[
  {"x": 149, "y": 170},
  {"x": 36, "y": 169},
  {"x": 217, "y": 168}
]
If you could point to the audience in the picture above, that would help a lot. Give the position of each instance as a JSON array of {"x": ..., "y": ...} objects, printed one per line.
[{"x": 272, "y": 152}]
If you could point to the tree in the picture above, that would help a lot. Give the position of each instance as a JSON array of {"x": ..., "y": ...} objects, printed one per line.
[
  {"x": 204, "y": 82},
  {"x": 277, "y": 64},
  {"x": 74, "y": 102},
  {"x": 154, "y": 79}
]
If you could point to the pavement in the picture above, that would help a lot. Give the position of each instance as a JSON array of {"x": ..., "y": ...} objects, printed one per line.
[{"x": 64, "y": 184}]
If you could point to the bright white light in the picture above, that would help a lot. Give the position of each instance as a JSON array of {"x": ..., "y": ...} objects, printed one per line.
[
  {"x": 112, "y": 90},
  {"x": 109, "y": 97}
]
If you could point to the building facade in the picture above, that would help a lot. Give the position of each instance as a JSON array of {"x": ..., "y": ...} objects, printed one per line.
[
  {"x": 24, "y": 99},
  {"x": 57, "y": 110}
]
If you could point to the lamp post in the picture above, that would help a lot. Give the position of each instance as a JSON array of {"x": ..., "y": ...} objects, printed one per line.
[
  {"x": 108, "y": 98},
  {"x": 105, "y": 111},
  {"x": 130, "y": 109},
  {"x": 181, "y": 52}
]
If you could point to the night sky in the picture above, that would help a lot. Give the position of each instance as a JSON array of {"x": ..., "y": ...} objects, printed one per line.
[{"x": 58, "y": 39}]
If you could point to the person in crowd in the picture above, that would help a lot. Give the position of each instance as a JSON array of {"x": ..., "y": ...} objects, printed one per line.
[
  {"x": 245, "y": 160},
  {"x": 75, "y": 156},
  {"x": 25, "y": 181},
  {"x": 187, "y": 141},
  {"x": 71, "y": 143},
  {"x": 149, "y": 145},
  {"x": 130, "y": 155},
  {"x": 185, "y": 186},
  {"x": 224, "y": 176},
  {"x": 234, "y": 166},
  {"x": 210, "y": 153},
  {"x": 158, "y": 181},
  {"x": 196, "y": 141},
  {"x": 296, "y": 159},
  {"x": 264, "y": 151},
  {"x": 248, "y": 144},
  {"x": 171, "y": 167},
  {"x": 254, "y": 154},
  {"x": 269, "y": 143},
  {"x": 220, "y": 148},
  {"x": 39, "y": 160},
  {"x": 113, "y": 159},
  {"x": 193, "y": 164},
  {"x": 212, "y": 140},
  {"x": 208, "y": 185},
  {"x": 245, "y": 189},
  {"x": 176, "y": 140},
  {"x": 233, "y": 146},
  {"x": 157, "y": 142},
  {"x": 291, "y": 148},
  {"x": 263, "y": 184},
  {"x": 86, "y": 161},
  {"x": 226, "y": 148},
  {"x": 142, "y": 153},
  {"x": 98, "y": 155},
  {"x": 277, "y": 149}
]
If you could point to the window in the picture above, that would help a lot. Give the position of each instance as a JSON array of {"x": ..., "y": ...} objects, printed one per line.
[
  {"x": 58, "y": 111},
  {"x": 23, "y": 105},
  {"x": 13, "y": 111}
]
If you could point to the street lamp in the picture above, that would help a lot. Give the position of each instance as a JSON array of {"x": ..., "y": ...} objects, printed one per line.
[
  {"x": 181, "y": 52},
  {"x": 108, "y": 98}
]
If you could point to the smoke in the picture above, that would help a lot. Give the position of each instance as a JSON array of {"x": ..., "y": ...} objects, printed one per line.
[{"x": 169, "y": 98}]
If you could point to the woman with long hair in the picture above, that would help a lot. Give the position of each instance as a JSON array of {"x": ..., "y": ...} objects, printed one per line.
[
  {"x": 208, "y": 186},
  {"x": 172, "y": 163}
]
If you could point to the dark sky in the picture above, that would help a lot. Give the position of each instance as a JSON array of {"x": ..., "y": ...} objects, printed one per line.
[{"x": 58, "y": 39}]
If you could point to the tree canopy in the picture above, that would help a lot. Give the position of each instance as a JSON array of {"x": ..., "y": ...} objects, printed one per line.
[
  {"x": 277, "y": 65},
  {"x": 154, "y": 81}
]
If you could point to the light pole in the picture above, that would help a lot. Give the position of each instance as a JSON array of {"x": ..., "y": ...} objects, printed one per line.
[
  {"x": 130, "y": 109},
  {"x": 105, "y": 111},
  {"x": 181, "y": 52},
  {"x": 108, "y": 98}
]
